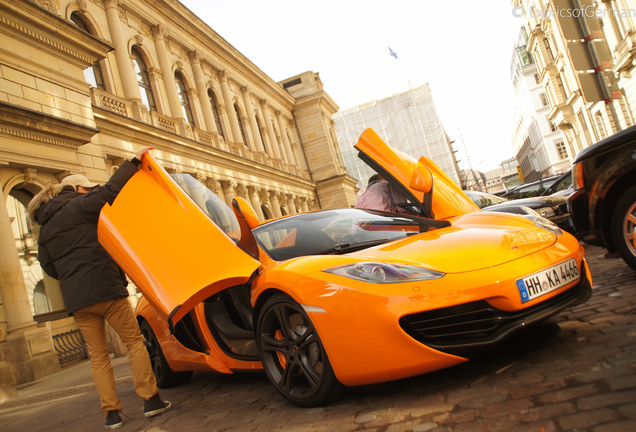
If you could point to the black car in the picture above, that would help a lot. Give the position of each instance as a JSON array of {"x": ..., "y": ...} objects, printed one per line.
[
  {"x": 553, "y": 208},
  {"x": 530, "y": 190},
  {"x": 562, "y": 186},
  {"x": 603, "y": 204}
]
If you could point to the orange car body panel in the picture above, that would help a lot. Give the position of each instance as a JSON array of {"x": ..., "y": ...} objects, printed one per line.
[
  {"x": 177, "y": 258},
  {"x": 448, "y": 198}
]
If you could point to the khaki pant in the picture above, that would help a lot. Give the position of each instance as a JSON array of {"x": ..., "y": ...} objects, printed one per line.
[{"x": 91, "y": 321}]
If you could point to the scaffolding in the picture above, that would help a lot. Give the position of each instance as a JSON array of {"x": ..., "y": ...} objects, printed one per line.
[{"x": 406, "y": 121}]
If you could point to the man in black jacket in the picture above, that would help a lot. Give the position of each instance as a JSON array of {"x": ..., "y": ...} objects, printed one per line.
[{"x": 93, "y": 286}]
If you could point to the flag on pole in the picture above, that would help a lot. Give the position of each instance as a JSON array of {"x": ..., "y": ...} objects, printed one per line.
[{"x": 392, "y": 53}]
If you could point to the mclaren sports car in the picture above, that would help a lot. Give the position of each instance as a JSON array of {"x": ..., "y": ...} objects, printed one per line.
[{"x": 324, "y": 300}]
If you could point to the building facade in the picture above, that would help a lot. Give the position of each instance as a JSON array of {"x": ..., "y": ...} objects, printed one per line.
[
  {"x": 406, "y": 121},
  {"x": 539, "y": 144},
  {"x": 584, "y": 54},
  {"x": 85, "y": 84}
]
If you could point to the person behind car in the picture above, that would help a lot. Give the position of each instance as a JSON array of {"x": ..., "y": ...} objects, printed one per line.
[
  {"x": 93, "y": 285},
  {"x": 380, "y": 195}
]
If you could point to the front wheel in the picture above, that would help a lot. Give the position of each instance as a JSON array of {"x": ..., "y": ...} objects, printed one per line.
[
  {"x": 624, "y": 226},
  {"x": 166, "y": 377},
  {"x": 292, "y": 354}
]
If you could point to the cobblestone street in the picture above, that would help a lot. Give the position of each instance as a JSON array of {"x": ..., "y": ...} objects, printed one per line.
[{"x": 573, "y": 373}]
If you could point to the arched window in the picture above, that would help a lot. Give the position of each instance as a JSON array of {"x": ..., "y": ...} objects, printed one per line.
[
  {"x": 215, "y": 112},
  {"x": 143, "y": 80},
  {"x": 240, "y": 123},
  {"x": 41, "y": 303},
  {"x": 93, "y": 75},
  {"x": 260, "y": 131},
  {"x": 183, "y": 98}
]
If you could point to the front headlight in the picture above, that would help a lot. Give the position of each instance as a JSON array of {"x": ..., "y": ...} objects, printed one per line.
[
  {"x": 546, "y": 224},
  {"x": 546, "y": 212},
  {"x": 577, "y": 176},
  {"x": 384, "y": 273}
]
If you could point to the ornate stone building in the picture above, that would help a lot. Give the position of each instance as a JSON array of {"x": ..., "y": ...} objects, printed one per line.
[
  {"x": 85, "y": 84},
  {"x": 585, "y": 58}
]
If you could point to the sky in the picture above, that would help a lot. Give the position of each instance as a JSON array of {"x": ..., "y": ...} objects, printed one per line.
[{"x": 462, "y": 49}]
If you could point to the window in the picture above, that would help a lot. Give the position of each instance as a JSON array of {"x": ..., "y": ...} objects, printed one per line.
[
  {"x": 240, "y": 123},
  {"x": 183, "y": 98},
  {"x": 562, "y": 150},
  {"x": 215, "y": 112},
  {"x": 548, "y": 48},
  {"x": 92, "y": 75},
  {"x": 544, "y": 99},
  {"x": 553, "y": 127},
  {"x": 143, "y": 80},
  {"x": 537, "y": 78}
]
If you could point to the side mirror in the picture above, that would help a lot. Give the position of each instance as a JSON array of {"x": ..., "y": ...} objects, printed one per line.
[
  {"x": 247, "y": 220},
  {"x": 422, "y": 179}
]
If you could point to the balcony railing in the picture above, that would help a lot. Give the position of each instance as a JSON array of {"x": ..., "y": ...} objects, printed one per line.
[{"x": 124, "y": 108}]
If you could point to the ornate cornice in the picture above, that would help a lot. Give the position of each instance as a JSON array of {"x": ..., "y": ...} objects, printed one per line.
[
  {"x": 37, "y": 27},
  {"x": 37, "y": 127}
]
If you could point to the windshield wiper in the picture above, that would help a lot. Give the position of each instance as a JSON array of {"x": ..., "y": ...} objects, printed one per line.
[{"x": 343, "y": 247}]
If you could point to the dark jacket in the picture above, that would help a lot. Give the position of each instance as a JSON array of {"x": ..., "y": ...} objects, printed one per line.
[{"x": 68, "y": 246}]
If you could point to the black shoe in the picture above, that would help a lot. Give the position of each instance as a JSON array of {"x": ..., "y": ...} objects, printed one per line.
[
  {"x": 155, "y": 406},
  {"x": 113, "y": 421}
]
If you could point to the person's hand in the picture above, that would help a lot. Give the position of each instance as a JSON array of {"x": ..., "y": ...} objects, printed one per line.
[{"x": 141, "y": 152}]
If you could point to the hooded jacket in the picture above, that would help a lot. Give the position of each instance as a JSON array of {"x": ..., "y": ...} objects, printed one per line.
[{"x": 68, "y": 246}]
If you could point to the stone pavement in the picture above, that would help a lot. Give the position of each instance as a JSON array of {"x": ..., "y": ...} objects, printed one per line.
[{"x": 574, "y": 373}]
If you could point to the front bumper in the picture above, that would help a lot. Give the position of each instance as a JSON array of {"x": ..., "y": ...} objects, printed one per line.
[{"x": 473, "y": 328}]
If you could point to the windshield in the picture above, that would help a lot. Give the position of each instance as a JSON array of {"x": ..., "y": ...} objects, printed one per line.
[
  {"x": 220, "y": 213},
  {"x": 336, "y": 232},
  {"x": 484, "y": 200}
]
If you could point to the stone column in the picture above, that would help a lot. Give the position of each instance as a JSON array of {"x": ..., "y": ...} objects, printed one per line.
[
  {"x": 290, "y": 204},
  {"x": 273, "y": 199},
  {"x": 299, "y": 153},
  {"x": 228, "y": 191},
  {"x": 126, "y": 70},
  {"x": 303, "y": 204},
  {"x": 255, "y": 201},
  {"x": 158, "y": 34},
  {"x": 252, "y": 118},
  {"x": 270, "y": 130},
  {"x": 199, "y": 79},
  {"x": 26, "y": 351},
  {"x": 12, "y": 288},
  {"x": 288, "y": 151},
  {"x": 231, "y": 112}
]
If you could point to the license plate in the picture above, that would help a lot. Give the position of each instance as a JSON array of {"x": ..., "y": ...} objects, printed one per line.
[{"x": 546, "y": 280}]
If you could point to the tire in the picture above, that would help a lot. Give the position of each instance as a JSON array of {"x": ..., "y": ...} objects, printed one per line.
[
  {"x": 624, "y": 227},
  {"x": 166, "y": 377},
  {"x": 293, "y": 356}
]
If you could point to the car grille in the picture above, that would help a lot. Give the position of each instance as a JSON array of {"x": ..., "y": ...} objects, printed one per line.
[{"x": 470, "y": 329}]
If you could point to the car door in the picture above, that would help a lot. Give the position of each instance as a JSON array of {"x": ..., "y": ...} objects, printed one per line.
[
  {"x": 442, "y": 201},
  {"x": 175, "y": 239}
]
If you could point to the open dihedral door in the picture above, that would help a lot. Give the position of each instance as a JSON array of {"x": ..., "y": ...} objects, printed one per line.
[
  {"x": 443, "y": 199},
  {"x": 175, "y": 254}
]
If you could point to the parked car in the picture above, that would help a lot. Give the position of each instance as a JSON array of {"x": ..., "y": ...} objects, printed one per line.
[
  {"x": 553, "y": 208},
  {"x": 562, "y": 186},
  {"x": 603, "y": 205},
  {"x": 529, "y": 190},
  {"x": 328, "y": 299}
]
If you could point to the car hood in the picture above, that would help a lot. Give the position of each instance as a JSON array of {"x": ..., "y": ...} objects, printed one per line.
[
  {"x": 445, "y": 199},
  {"x": 474, "y": 241}
]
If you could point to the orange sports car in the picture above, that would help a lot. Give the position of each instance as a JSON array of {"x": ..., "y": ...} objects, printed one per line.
[{"x": 328, "y": 299}]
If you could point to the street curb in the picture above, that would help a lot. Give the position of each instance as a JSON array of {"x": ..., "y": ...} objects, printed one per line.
[{"x": 18, "y": 401}]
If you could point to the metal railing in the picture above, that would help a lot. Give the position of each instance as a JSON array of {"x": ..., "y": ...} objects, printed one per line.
[{"x": 70, "y": 346}]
